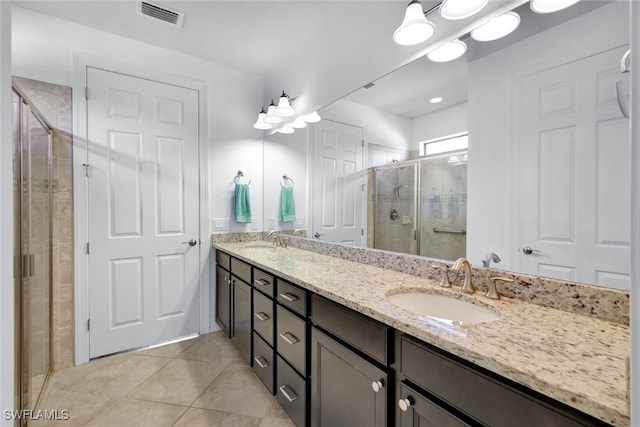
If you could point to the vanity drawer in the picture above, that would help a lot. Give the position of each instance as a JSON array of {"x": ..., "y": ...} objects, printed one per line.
[
  {"x": 263, "y": 316},
  {"x": 291, "y": 339},
  {"x": 241, "y": 269},
  {"x": 263, "y": 361},
  {"x": 264, "y": 282},
  {"x": 293, "y": 297},
  {"x": 223, "y": 260},
  {"x": 291, "y": 393},
  {"x": 480, "y": 396},
  {"x": 365, "y": 334}
]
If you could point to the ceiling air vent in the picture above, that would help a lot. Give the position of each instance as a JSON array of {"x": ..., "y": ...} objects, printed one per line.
[
  {"x": 369, "y": 85},
  {"x": 160, "y": 12}
]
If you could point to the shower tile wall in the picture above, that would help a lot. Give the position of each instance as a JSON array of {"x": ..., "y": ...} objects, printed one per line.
[
  {"x": 443, "y": 205},
  {"x": 54, "y": 102}
]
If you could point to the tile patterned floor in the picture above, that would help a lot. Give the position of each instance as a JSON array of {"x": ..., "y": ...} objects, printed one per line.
[{"x": 199, "y": 382}]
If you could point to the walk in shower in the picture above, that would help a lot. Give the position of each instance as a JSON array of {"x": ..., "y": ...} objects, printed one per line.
[
  {"x": 421, "y": 206},
  {"x": 32, "y": 249}
]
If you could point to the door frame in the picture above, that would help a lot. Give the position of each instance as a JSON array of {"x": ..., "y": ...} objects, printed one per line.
[
  {"x": 310, "y": 171},
  {"x": 80, "y": 200}
]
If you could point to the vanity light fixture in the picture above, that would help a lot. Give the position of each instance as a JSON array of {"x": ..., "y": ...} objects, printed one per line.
[
  {"x": 549, "y": 6},
  {"x": 436, "y": 100},
  {"x": 414, "y": 28},
  {"x": 287, "y": 128},
  {"x": 498, "y": 27},
  {"x": 284, "y": 107},
  {"x": 260, "y": 123},
  {"x": 299, "y": 123},
  {"x": 312, "y": 117},
  {"x": 271, "y": 116},
  {"x": 461, "y": 9},
  {"x": 448, "y": 51}
]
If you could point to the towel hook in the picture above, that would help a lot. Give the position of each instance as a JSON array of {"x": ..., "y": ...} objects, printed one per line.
[
  {"x": 238, "y": 176},
  {"x": 286, "y": 178}
]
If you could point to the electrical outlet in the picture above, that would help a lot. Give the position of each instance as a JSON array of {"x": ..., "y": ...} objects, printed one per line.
[
  {"x": 272, "y": 224},
  {"x": 299, "y": 223},
  {"x": 254, "y": 224},
  {"x": 220, "y": 225}
]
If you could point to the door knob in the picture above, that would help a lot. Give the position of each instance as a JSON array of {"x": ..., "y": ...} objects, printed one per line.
[
  {"x": 317, "y": 235},
  {"x": 528, "y": 250},
  {"x": 191, "y": 242}
]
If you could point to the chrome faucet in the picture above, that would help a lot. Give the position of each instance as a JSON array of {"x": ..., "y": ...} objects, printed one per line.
[
  {"x": 467, "y": 286},
  {"x": 299, "y": 231},
  {"x": 278, "y": 239},
  {"x": 491, "y": 256}
]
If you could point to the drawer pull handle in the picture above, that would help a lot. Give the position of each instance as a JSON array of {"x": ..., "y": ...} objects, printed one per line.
[
  {"x": 289, "y": 337},
  {"x": 261, "y": 316},
  {"x": 289, "y": 297},
  {"x": 262, "y": 282},
  {"x": 377, "y": 385},
  {"x": 261, "y": 361},
  {"x": 404, "y": 404},
  {"x": 288, "y": 393}
]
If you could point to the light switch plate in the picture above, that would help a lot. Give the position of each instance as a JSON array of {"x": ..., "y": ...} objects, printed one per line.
[
  {"x": 220, "y": 225},
  {"x": 254, "y": 224},
  {"x": 272, "y": 224}
]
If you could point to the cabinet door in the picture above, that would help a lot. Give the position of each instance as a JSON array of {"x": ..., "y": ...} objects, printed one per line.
[
  {"x": 241, "y": 332},
  {"x": 418, "y": 411},
  {"x": 346, "y": 390},
  {"x": 223, "y": 299}
]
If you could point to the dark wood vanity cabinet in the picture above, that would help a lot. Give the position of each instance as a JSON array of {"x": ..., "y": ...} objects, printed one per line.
[
  {"x": 223, "y": 300},
  {"x": 351, "y": 383}
]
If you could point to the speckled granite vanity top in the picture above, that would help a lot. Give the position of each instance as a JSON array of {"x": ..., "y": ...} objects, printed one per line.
[{"x": 575, "y": 359}]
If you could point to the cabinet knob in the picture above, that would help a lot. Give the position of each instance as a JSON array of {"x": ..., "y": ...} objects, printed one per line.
[
  {"x": 377, "y": 385},
  {"x": 404, "y": 404}
]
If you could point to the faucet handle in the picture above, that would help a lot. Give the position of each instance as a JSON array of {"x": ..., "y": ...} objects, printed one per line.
[
  {"x": 492, "y": 293},
  {"x": 444, "y": 282}
]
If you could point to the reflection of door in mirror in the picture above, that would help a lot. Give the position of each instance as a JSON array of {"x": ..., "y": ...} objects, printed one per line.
[
  {"x": 338, "y": 183},
  {"x": 572, "y": 129}
]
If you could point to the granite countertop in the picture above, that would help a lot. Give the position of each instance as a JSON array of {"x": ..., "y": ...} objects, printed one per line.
[{"x": 578, "y": 360}]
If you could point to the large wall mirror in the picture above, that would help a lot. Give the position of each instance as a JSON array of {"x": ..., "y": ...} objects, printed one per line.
[{"x": 535, "y": 165}]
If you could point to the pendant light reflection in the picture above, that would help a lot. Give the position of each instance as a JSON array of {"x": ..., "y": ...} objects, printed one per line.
[
  {"x": 549, "y": 6},
  {"x": 414, "y": 28},
  {"x": 299, "y": 123},
  {"x": 271, "y": 116},
  {"x": 287, "y": 128},
  {"x": 260, "y": 123},
  {"x": 312, "y": 117},
  {"x": 448, "y": 51},
  {"x": 461, "y": 9},
  {"x": 284, "y": 108},
  {"x": 496, "y": 28}
]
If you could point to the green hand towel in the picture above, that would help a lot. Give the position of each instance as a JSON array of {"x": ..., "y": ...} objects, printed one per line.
[
  {"x": 242, "y": 203},
  {"x": 287, "y": 208}
]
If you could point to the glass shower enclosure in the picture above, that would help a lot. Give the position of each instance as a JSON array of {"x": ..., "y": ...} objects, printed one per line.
[{"x": 421, "y": 206}]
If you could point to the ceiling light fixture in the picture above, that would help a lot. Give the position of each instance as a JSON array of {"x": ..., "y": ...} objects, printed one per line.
[
  {"x": 436, "y": 100},
  {"x": 549, "y": 6},
  {"x": 271, "y": 116},
  {"x": 260, "y": 123},
  {"x": 287, "y": 128},
  {"x": 284, "y": 108},
  {"x": 312, "y": 117},
  {"x": 414, "y": 28},
  {"x": 448, "y": 51},
  {"x": 461, "y": 9},
  {"x": 497, "y": 28}
]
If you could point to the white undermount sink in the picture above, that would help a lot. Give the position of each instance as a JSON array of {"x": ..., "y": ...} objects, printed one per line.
[{"x": 443, "y": 307}]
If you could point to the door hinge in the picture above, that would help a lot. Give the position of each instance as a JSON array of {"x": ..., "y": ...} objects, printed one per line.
[
  {"x": 86, "y": 169},
  {"x": 86, "y": 93},
  {"x": 362, "y": 231},
  {"x": 363, "y": 143},
  {"x": 88, "y": 324},
  {"x": 87, "y": 248}
]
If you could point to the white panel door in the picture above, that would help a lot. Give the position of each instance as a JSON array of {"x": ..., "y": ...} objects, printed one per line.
[
  {"x": 337, "y": 183},
  {"x": 143, "y": 209},
  {"x": 575, "y": 173}
]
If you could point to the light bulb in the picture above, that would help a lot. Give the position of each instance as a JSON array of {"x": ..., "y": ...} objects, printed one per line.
[
  {"x": 260, "y": 123},
  {"x": 271, "y": 115},
  {"x": 496, "y": 28},
  {"x": 436, "y": 100},
  {"x": 461, "y": 9},
  {"x": 414, "y": 28},
  {"x": 549, "y": 6},
  {"x": 448, "y": 51},
  {"x": 284, "y": 108},
  {"x": 312, "y": 117}
]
